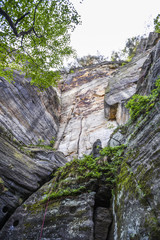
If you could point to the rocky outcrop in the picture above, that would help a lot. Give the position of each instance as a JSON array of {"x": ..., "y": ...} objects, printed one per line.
[
  {"x": 123, "y": 84},
  {"x": 82, "y": 214},
  {"x": 121, "y": 87},
  {"x": 22, "y": 173},
  {"x": 67, "y": 219},
  {"x": 137, "y": 199},
  {"x": 82, "y": 118},
  {"x": 137, "y": 202},
  {"x": 29, "y": 115},
  {"x": 77, "y": 203}
]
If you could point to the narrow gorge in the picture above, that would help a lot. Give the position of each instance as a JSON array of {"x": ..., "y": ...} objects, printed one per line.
[{"x": 74, "y": 162}]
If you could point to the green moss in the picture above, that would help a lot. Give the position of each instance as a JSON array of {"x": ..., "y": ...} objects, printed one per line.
[
  {"x": 123, "y": 64},
  {"x": 107, "y": 90},
  {"x": 126, "y": 180},
  {"x": 80, "y": 175},
  {"x": 137, "y": 183},
  {"x": 8, "y": 135},
  {"x": 152, "y": 226},
  {"x": 141, "y": 105},
  {"x": 145, "y": 185},
  {"x": 2, "y": 186},
  {"x": 27, "y": 226},
  {"x": 47, "y": 147},
  {"x": 34, "y": 208}
]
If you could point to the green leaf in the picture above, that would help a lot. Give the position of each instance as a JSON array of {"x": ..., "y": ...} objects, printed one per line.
[{"x": 38, "y": 40}]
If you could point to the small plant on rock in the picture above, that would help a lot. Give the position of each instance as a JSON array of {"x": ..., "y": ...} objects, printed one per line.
[{"x": 141, "y": 105}]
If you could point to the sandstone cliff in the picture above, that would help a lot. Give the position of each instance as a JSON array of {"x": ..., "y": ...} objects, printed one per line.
[
  {"x": 27, "y": 114},
  {"x": 113, "y": 194}
]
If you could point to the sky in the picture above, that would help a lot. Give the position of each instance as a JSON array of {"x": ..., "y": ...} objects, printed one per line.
[{"x": 106, "y": 25}]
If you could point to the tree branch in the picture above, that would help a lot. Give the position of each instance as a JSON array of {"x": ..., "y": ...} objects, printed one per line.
[
  {"x": 36, "y": 34},
  {"x": 25, "y": 32},
  {"x": 27, "y": 52},
  {"x": 34, "y": 18},
  {"x": 9, "y": 52},
  {"x": 19, "y": 19},
  {"x": 13, "y": 26},
  {"x": 9, "y": 20}
]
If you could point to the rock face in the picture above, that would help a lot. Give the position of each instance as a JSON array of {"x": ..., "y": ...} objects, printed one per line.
[
  {"x": 67, "y": 219},
  {"x": 73, "y": 205},
  {"x": 137, "y": 202},
  {"x": 121, "y": 87},
  {"x": 22, "y": 174},
  {"x": 27, "y": 114},
  {"x": 79, "y": 216},
  {"x": 82, "y": 118}
]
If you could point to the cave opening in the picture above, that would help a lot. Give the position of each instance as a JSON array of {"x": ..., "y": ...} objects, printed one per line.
[
  {"x": 113, "y": 112},
  {"x": 15, "y": 223},
  {"x": 5, "y": 209}
]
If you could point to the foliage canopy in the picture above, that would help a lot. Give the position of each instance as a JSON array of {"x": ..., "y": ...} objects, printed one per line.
[
  {"x": 35, "y": 37},
  {"x": 128, "y": 52},
  {"x": 157, "y": 23}
]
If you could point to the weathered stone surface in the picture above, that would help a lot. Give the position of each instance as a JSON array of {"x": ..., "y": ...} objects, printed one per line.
[
  {"x": 68, "y": 219},
  {"x": 86, "y": 216},
  {"x": 86, "y": 74},
  {"x": 150, "y": 71},
  {"x": 78, "y": 215},
  {"x": 147, "y": 43},
  {"x": 97, "y": 146},
  {"x": 22, "y": 174},
  {"x": 82, "y": 118},
  {"x": 138, "y": 192},
  {"x": 121, "y": 87},
  {"x": 28, "y": 114},
  {"x": 103, "y": 219},
  {"x": 137, "y": 203},
  {"x": 152, "y": 40}
]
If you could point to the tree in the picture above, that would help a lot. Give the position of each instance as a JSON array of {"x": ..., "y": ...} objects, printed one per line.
[
  {"x": 90, "y": 60},
  {"x": 35, "y": 37},
  {"x": 157, "y": 23},
  {"x": 130, "y": 47},
  {"x": 116, "y": 56},
  {"x": 128, "y": 52}
]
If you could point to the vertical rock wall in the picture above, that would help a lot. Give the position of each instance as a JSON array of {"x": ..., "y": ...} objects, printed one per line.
[
  {"x": 29, "y": 115},
  {"x": 137, "y": 199},
  {"x": 93, "y": 102},
  {"x": 82, "y": 117}
]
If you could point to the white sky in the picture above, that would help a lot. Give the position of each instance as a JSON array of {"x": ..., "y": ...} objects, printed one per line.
[{"x": 106, "y": 25}]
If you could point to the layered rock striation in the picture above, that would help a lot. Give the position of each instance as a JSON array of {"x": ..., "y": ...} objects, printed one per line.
[
  {"x": 100, "y": 197},
  {"x": 22, "y": 173},
  {"x": 93, "y": 104},
  {"x": 26, "y": 113},
  {"x": 137, "y": 199}
]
